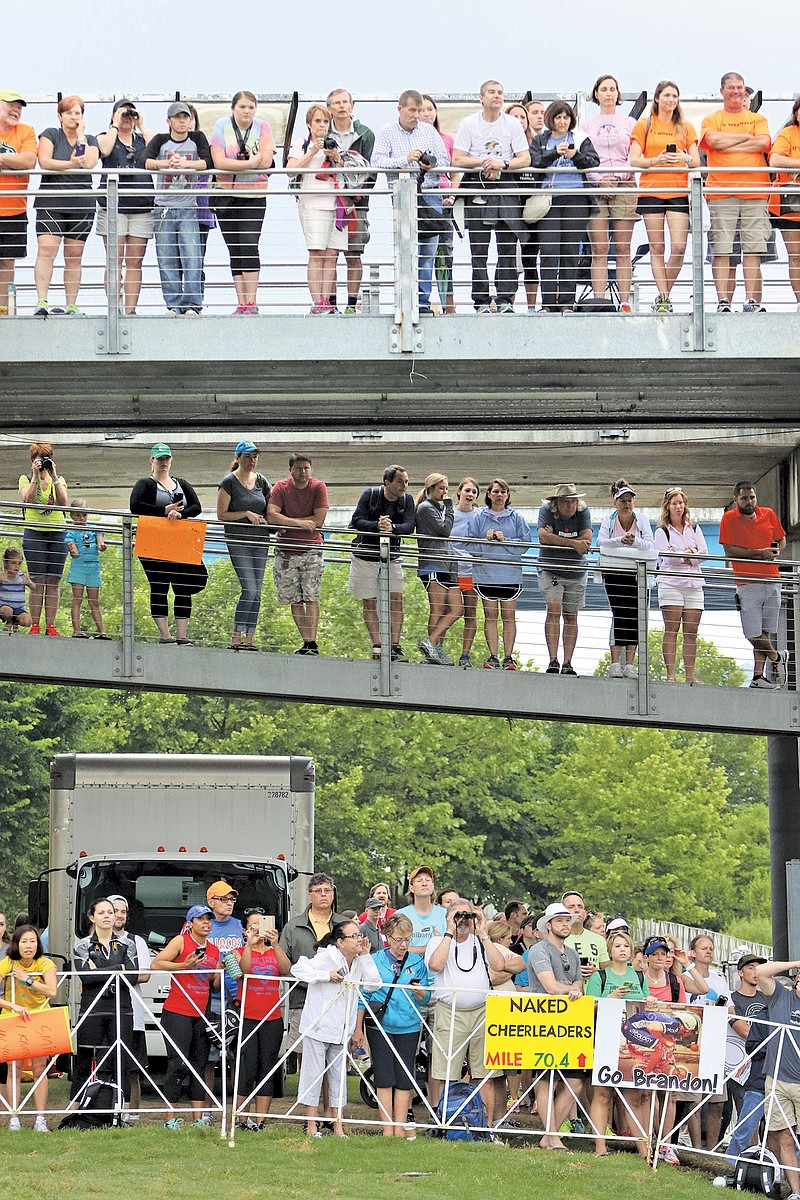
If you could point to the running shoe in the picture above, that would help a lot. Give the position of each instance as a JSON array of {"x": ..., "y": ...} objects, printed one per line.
[
  {"x": 50, "y": 631},
  {"x": 442, "y": 659},
  {"x": 724, "y": 306},
  {"x": 465, "y": 661},
  {"x": 509, "y": 664},
  {"x": 753, "y": 306},
  {"x": 492, "y": 663},
  {"x": 41, "y": 309}
]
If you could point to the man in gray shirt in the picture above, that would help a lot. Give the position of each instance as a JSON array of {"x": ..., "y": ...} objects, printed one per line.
[
  {"x": 554, "y": 969},
  {"x": 783, "y": 1064}
]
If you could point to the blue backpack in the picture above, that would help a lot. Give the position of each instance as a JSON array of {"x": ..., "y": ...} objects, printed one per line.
[{"x": 465, "y": 1116}]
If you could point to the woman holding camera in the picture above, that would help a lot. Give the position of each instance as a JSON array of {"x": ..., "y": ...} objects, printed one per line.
[
  {"x": 174, "y": 499},
  {"x": 43, "y": 540},
  {"x": 243, "y": 150},
  {"x": 262, "y": 961},
  {"x": 194, "y": 964},
  {"x": 318, "y": 209},
  {"x": 124, "y": 145}
]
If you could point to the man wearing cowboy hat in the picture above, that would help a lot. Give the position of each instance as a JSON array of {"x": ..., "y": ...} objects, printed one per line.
[{"x": 565, "y": 536}]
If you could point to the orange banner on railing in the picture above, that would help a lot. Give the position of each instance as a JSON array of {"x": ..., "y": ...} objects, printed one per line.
[
  {"x": 46, "y": 1033},
  {"x": 170, "y": 541}
]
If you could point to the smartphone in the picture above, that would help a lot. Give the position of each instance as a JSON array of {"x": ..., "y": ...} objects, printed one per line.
[
  {"x": 200, "y": 952},
  {"x": 672, "y": 148},
  {"x": 774, "y": 545},
  {"x": 584, "y": 962},
  {"x": 265, "y": 925}
]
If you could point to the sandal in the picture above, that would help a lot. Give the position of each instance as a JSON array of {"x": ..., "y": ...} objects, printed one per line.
[
  {"x": 183, "y": 642},
  {"x": 102, "y": 637},
  {"x": 235, "y": 646},
  {"x": 80, "y": 635},
  {"x": 166, "y": 641}
]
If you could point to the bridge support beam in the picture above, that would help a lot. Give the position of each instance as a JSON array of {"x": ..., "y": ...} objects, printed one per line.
[{"x": 784, "y": 831}]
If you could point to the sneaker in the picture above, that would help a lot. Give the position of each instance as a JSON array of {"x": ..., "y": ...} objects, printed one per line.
[
  {"x": 376, "y": 653},
  {"x": 624, "y": 308},
  {"x": 429, "y": 650},
  {"x": 350, "y": 311},
  {"x": 629, "y": 671},
  {"x": 303, "y": 649},
  {"x": 40, "y": 1125},
  {"x": 240, "y": 310},
  {"x": 34, "y": 629},
  {"x": 724, "y": 306},
  {"x": 442, "y": 659},
  {"x": 568, "y": 669},
  {"x": 174, "y": 312},
  {"x": 174, "y": 1123},
  {"x": 14, "y": 1125},
  {"x": 312, "y": 648},
  {"x": 753, "y": 306},
  {"x": 40, "y": 309},
  {"x": 779, "y": 668},
  {"x": 251, "y": 310},
  {"x": 553, "y": 667},
  {"x": 482, "y": 309},
  {"x": 204, "y": 1122},
  {"x": 72, "y": 310},
  {"x": 759, "y": 681},
  {"x": 577, "y": 1126},
  {"x": 465, "y": 661},
  {"x": 615, "y": 671},
  {"x": 667, "y": 1154},
  {"x": 192, "y": 312},
  {"x": 51, "y": 631},
  {"x": 661, "y": 305},
  {"x": 505, "y": 308},
  {"x": 509, "y": 664},
  {"x": 492, "y": 663},
  {"x": 398, "y": 655},
  {"x": 323, "y": 308}
]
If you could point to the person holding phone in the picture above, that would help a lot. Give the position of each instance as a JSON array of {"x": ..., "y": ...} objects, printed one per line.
[
  {"x": 262, "y": 962},
  {"x": 194, "y": 963},
  {"x": 174, "y": 499},
  {"x": 618, "y": 981},
  {"x": 329, "y": 1014},
  {"x": 438, "y": 572}
]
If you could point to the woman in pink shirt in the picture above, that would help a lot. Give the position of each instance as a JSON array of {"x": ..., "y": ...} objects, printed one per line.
[
  {"x": 610, "y": 134},
  {"x": 680, "y": 580},
  {"x": 444, "y": 253}
]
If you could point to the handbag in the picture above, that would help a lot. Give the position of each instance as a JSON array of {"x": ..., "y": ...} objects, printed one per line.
[
  {"x": 378, "y": 1011},
  {"x": 536, "y": 206}
]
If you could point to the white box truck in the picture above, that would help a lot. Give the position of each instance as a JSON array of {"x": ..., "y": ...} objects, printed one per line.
[{"x": 159, "y": 828}]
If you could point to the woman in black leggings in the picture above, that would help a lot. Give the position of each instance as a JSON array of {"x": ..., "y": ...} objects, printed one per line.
[
  {"x": 625, "y": 537},
  {"x": 174, "y": 499}
]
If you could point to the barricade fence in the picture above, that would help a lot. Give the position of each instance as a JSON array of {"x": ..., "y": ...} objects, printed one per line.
[
  {"x": 608, "y": 591},
  {"x": 439, "y": 1106},
  {"x": 439, "y": 248}
]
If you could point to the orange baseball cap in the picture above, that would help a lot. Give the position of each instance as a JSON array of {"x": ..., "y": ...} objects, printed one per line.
[
  {"x": 220, "y": 889},
  {"x": 420, "y": 871}
]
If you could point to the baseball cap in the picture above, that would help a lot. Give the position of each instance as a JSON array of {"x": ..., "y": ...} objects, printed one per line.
[
  {"x": 198, "y": 910},
  {"x": 117, "y": 900},
  {"x": 219, "y": 889},
  {"x": 654, "y": 944},
  {"x": 420, "y": 871},
  {"x": 160, "y": 450},
  {"x": 12, "y": 96},
  {"x": 746, "y": 959},
  {"x": 556, "y": 910},
  {"x": 248, "y": 446},
  {"x": 373, "y": 903},
  {"x": 179, "y": 109},
  {"x": 617, "y": 923}
]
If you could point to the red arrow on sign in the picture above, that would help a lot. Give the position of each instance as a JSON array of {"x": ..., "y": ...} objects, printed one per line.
[{"x": 581, "y": 1060}]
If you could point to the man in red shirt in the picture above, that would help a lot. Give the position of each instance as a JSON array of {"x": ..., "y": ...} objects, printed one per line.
[
  {"x": 753, "y": 538},
  {"x": 299, "y": 503}
]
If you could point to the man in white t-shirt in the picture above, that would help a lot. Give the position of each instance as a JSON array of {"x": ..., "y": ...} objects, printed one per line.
[
  {"x": 702, "y": 948},
  {"x": 489, "y": 146}
]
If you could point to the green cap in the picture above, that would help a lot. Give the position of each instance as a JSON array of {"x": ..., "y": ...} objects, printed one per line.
[
  {"x": 12, "y": 96},
  {"x": 161, "y": 450}
]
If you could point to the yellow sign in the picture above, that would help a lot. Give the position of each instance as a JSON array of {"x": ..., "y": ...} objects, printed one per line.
[{"x": 537, "y": 1033}]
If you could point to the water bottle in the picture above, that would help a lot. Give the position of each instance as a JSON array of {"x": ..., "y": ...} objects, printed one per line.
[
  {"x": 231, "y": 964},
  {"x": 12, "y": 299}
]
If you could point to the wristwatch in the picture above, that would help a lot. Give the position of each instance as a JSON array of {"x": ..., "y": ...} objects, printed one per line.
[{"x": 29, "y": 982}]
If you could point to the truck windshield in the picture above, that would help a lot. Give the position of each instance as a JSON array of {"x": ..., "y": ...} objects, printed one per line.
[{"x": 159, "y": 893}]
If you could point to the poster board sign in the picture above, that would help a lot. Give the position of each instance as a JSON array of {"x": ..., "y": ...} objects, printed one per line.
[
  {"x": 170, "y": 541},
  {"x": 43, "y": 1036},
  {"x": 530, "y": 1032},
  {"x": 655, "y": 1046}
]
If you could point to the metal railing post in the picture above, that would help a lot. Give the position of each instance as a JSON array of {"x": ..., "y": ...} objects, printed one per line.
[
  {"x": 385, "y": 617},
  {"x": 406, "y": 260},
  {"x": 112, "y": 262},
  {"x": 698, "y": 261},
  {"x": 642, "y": 599},
  {"x": 128, "y": 623}
]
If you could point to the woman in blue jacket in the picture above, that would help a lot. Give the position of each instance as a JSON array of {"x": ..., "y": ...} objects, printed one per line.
[
  {"x": 497, "y": 568},
  {"x": 393, "y": 1021}
]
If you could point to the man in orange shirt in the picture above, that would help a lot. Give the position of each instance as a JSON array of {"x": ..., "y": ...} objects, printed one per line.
[
  {"x": 753, "y": 538},
  {"x": 17, "y": 153},
  {"x": 735, "y": 137}
]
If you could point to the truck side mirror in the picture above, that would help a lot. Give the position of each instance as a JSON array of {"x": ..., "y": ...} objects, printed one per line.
[{"x": 39, "y": 902}]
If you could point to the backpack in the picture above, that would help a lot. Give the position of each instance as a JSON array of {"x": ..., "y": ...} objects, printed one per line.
[
  {"x": 465, "y": 1116},
  {"x": 758, "y": 1171},
  {"x": 100, "y": 1107},
  {"x": 374, "y": 504}
]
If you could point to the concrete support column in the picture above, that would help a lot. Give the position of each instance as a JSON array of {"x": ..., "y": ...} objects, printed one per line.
[{"x": 784, "y": 829}]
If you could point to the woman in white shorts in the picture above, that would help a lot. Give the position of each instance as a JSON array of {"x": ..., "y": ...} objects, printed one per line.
[
  {"x": 680, "y": 594},
  {"x": 318, "y": 209},
  {"x": 124, "y": 145}
]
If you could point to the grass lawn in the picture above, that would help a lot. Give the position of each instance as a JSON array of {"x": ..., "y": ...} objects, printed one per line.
[{"x": 153, "y": 1162}]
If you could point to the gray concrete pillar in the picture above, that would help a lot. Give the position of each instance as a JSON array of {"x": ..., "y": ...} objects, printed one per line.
[{"x": 784, "y": 830}]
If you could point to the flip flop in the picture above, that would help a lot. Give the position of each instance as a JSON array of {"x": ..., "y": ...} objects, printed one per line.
[
  {"x": 102, "y": 637},
  {"x": 166, "y": 641},
  {"x": 80, "y": 635}
]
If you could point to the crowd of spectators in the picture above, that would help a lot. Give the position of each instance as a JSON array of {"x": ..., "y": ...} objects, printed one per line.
[
  {"x": 560, "y": 197},
  {"x": 468, "y": 550}
]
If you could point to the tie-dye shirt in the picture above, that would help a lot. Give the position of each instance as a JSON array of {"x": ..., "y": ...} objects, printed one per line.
[{"x": 257, "y": 137}]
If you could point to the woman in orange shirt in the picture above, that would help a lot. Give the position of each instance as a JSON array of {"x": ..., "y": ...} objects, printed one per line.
[
  {"x": 665, "y": 139},
  {"x": 784, "y": 205}
]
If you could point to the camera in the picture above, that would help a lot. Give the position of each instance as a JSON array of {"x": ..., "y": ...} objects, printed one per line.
[
  {"x": 243, "y": 154},
  {"x": 330, "y": 142},
  {"x": 131, "y": 113},
  {"x": 465, "y": 915},
  {"x": 426, "y": 159},
  {"x": 47, "y": 464}
]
